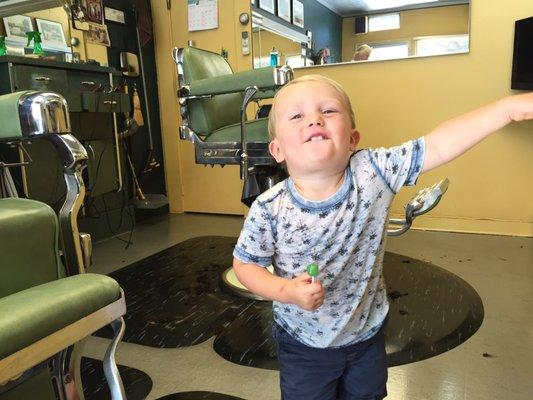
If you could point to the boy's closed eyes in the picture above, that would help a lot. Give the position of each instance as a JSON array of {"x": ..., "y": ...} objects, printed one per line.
[{"x": 326, "y": 110}]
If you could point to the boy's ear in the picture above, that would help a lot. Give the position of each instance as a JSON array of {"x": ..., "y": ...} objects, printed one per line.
[
  {"x": 275, "y": 151},
  {"x": 354, "y": 139}
]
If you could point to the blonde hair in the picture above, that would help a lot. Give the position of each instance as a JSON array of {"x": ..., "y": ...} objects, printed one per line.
[
  {"x": 303, "y": 79},
  {"x": 362, "y": 52}
]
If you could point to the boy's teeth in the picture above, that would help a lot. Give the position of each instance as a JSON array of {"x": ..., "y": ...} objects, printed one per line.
[{"x": 316, "y": 138}]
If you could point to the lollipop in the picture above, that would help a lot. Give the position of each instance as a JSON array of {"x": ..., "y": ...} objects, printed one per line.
[{"x": 312, "y": 270}]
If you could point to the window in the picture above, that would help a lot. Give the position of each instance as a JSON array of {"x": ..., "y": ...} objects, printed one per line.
[
  {"x": 389, "y": 51},
  {"x": 383, "y": 22},
  {"x": 441, "y": 45}
]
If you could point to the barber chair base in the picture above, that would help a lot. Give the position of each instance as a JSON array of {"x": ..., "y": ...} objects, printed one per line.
[
  {"x": 231, "y": 283},
  {"x": 262, "y": 179}
]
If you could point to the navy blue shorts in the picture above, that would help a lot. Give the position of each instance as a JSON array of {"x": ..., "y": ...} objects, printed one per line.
[{"x": 354, "y": 372}]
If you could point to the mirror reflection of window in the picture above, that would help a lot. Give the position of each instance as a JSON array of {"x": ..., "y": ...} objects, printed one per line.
[
  {"x": 441, "y": 45},
  {"x": 383, "y": 22},
  {"x": 389, "y": 51}
]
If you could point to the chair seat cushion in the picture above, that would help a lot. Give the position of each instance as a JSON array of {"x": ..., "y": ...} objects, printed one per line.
[
  {"x": 256, "y": 131},
  {"x": 33, "y": 314}
]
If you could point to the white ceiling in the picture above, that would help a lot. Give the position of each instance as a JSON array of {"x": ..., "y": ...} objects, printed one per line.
[{"x": 347, "y": 8}]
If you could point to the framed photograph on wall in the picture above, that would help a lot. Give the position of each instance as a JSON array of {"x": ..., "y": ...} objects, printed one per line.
[
  {"x": 52, "y": 33},
  {"x": 298, "y": 13},
  {"x": 114, "y": 15},
  {"x": 97, "y": 34},
  {"x": 267, "y": 5},
  {"x": 16, "y": 27},
  {"x": 79, "y": 15},
  {"x": 93, "y": 11},
  {"x": 284, "y": 9}
]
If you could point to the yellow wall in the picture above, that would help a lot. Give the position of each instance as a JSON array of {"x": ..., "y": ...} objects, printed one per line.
[
  {"x": 490, "y": 190},
  {"x": 452, "y": 20},
  {"x": 194, "y": 187}
]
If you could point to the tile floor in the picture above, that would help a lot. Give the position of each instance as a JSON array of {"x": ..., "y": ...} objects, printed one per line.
[{"x": 499, "y": 268}]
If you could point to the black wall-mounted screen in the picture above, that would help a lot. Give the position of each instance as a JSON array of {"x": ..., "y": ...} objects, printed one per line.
[{"x": 522, "y": 77}]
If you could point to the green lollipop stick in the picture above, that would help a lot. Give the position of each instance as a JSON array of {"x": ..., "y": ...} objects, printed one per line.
[{"x": 312, "y": 270}]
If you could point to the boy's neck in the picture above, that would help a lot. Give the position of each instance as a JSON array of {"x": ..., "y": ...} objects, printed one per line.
[{"x": 318, "y": 188}]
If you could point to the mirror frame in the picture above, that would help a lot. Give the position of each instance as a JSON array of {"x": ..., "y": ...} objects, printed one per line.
[{"x": 278, "y": 28}]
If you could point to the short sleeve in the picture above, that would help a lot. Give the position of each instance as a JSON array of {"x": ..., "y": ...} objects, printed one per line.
[
  {"x": 256, "y": 242},
  {"x": 400, "y": 165}
]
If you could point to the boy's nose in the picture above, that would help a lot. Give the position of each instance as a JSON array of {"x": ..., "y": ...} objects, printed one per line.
[{"x": 316, "y": 121}]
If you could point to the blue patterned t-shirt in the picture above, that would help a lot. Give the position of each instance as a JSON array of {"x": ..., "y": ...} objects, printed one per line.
[{"x": 344, "y": 234}]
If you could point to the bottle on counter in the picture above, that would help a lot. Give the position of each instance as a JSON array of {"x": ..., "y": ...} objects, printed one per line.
[
  {"x": 274, "y": 57},
  {"x": 36, "y": 37},
  {"x": 3, "y": 48}
]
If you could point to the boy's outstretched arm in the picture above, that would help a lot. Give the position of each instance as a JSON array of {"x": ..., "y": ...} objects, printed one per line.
[
  {"x": 299, "y": 290},
  {"x": 455, "y": 136}
]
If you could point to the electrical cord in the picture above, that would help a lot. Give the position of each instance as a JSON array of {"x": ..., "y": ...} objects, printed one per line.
[{"x": 114, "y": 232}]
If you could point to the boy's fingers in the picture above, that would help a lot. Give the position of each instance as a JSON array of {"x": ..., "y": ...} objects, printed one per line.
[
  {"x": 314, "y": 288},
  {"x": 318, "y": 303},
  {"x": 303, "y": 277},
  {"x": 318, "y": 295}
]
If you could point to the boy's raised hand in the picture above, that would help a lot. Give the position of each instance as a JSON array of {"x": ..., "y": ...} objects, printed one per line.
[
  {"x": 520, "y": 106},
  {"x": 303, "y": 293}
]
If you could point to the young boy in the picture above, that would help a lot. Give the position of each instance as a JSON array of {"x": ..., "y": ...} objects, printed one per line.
[{"x": 333, "y": 211}]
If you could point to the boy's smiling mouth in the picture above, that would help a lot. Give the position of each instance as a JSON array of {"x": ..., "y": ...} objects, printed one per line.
[{"x": 317, "y": 136}]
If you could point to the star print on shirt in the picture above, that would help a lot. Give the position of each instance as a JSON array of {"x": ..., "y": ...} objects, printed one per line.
[{"x": 349, "y": 254}]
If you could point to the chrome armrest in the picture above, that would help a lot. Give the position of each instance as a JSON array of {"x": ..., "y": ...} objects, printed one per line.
[{"x": 425, "y": 200}]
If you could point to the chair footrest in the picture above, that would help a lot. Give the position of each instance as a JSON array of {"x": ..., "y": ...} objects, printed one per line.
[
  {"x": 229, "y": 153},
  {"x": 33, "y": 314}
]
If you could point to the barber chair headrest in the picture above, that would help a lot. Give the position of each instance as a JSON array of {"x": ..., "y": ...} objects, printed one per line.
[{"x": 28, "y": 114}]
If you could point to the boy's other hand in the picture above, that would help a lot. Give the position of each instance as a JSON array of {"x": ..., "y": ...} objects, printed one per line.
[
  {"x": 520, "y": 106},
  {"x": 303, "y": 293}
]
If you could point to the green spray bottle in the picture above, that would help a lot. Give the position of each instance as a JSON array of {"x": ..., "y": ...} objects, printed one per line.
[
  {"x": 3, "y": 48},
  {"x": 36, "y": 37}
]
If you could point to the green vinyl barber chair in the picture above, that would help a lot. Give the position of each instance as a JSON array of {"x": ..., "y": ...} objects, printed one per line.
[
  {"x": 31, "y": 115},
  {"x": 213, "y": 102},
  {"x": 45, "y": 306}
]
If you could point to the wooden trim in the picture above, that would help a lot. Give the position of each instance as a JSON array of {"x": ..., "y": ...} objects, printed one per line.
[
  {"x": 470, "y": 225},
  {"x": 15, "y": 364}
]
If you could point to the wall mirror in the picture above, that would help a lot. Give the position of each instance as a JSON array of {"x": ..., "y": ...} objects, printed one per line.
[{"x": 342, "y": 31}]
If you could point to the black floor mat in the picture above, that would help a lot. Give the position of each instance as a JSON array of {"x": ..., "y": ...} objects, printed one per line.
[
  {"x": 173, "y": 297},
  {"x": 137, "y": 384}
]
